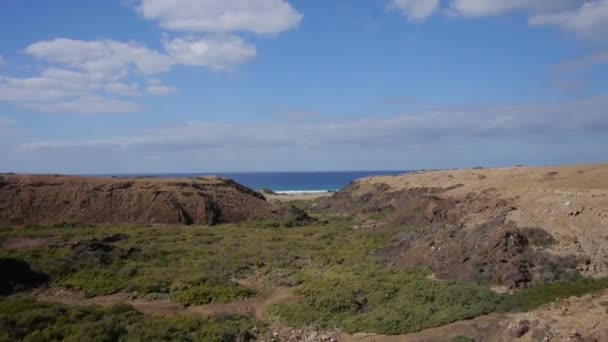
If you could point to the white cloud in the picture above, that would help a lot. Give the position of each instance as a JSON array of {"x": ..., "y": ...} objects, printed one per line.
[
  {"x": 588, "y": 21},
  {"x": 258, "y": 16},
  {"x": 2, "y": 60},
  {"x": 62, "y": 90},
  {"x": 86, "y": 75},
  {"x": 156, "y": 88},
  {"x": 416, "y": 10},
  {"x": 582, "y": 64},
  {"x": 122, "y": 89},
  {"x": 101, "y": 56},
  {"x": 79, "y": 72},
  {"x": 586, "y": 18},
  {"x": 221, "y": 52},
  {"x": 51, "y": 84},
  {"x": 479, "y": 8},
  {"x": 89, "y": 104},
  {"x": 540, "y": 122}
]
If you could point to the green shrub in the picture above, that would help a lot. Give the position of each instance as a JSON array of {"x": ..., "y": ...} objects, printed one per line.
[
  {"x": 531, "y": 298},
  {"x": 379, "y": 300},
  {"x": 207, "y": 290},
  {"x": 33, "y": 321},
  {"x": 342, "y": 282}
]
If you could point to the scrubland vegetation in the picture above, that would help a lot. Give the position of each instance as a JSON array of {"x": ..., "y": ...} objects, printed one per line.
[
  {"x": 339, "y": 280},
  {"x": 22, "y": 319}
]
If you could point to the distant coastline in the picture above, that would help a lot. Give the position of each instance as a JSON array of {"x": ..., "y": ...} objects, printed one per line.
[
  {"x": 284, "y": 183},
  {"x": 299, "y": 192}
]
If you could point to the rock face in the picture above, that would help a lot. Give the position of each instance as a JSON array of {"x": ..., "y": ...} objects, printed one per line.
[
  {"x": 51, "y": 200},
  {"x": 501, "y": 226}
]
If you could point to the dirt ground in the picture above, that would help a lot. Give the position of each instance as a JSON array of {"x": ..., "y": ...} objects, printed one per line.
[{"x": 25, "y": 243}]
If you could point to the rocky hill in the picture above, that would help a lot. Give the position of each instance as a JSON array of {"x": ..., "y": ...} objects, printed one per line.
[
  {"x": 509, "y": 226},
  {"x": 50, "y": 200}
]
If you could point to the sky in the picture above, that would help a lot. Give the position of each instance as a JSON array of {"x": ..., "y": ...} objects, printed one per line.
[{"x": 153, "y": 86}]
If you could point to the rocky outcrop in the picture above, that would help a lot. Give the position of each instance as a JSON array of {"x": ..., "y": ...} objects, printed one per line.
[
  {"x": 52, "y": 200},
  {"x": 495, "y": 226}
]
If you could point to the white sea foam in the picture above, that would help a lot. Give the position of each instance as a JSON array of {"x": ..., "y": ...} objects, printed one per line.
[{"x": 301, "y": 192}]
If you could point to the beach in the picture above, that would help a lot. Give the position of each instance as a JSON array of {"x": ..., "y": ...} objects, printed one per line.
[{"x": 298, "y": 196}]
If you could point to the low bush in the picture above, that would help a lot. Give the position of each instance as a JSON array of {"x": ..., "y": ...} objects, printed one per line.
[
  {"x": 33, "y": 321},
  {"x": 384, "y": 301},
  {"x": 531, "y": 298}
]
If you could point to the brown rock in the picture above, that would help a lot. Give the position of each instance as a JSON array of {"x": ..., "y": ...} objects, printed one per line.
[
  {"x": 492, "y": 249},
  {"x": 519, "y": 328},
  {"x": 53, "y": 200}
]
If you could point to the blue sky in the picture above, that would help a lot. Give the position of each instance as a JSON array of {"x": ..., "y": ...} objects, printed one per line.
[{"x": 264, "y": 85}]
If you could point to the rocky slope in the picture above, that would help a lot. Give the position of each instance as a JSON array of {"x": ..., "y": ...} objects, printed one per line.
[
  {"x": 50, "y": 200},
  {"x": 511, "y": 226}
]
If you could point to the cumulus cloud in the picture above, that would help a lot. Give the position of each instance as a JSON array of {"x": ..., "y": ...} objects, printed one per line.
[
  {"x": 257, "y": 16},
  {"x": 87, "y": 76},
  {"x": 79, "y": 73},
  {"x": 62, "y": 90},
  {"x": 479, "y": 8},
  {"x": 51, "y": 84},
  {"x": 587, "y": 21},
  {"x": 122, "y": 89},
  {"x": 416, "y": 10},
  {"x": 221, "y": 52},
  {"x": 514, "y": 122},
  {"x": 101, "y": 56},
  {"x": 217, "y": 23},
  {"x": 84, "y": 76},
  {"x": 155, "y": 87}
]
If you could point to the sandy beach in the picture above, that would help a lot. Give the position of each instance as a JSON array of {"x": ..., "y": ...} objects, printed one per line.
[{"x": 300, "y": 196}]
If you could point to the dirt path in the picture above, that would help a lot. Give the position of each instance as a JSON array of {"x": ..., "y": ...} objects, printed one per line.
[
  {"x": 257, "y": 306},
  {"x": 13, "y": 243}
]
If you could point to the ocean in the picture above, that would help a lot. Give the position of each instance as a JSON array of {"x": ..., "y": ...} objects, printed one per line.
[{"x": 286, "y": 182}]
